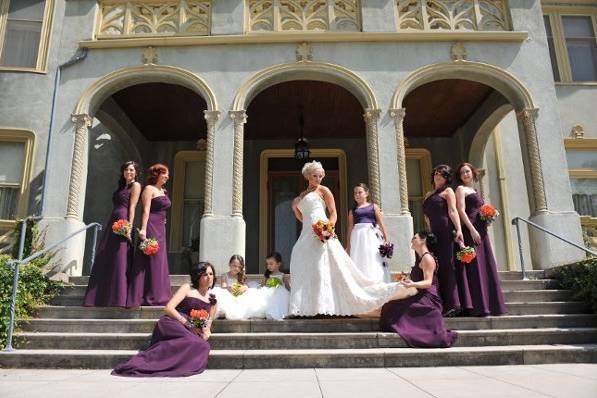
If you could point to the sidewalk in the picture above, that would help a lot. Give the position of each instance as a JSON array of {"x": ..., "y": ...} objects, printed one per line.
[{"x": 559, "y": 380}]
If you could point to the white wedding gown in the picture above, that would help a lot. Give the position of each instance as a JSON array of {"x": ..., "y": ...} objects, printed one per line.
[{"x": 324, "y": 280}]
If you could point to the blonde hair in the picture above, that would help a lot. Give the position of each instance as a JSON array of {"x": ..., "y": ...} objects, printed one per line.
[{"x": 310, "y": 167}]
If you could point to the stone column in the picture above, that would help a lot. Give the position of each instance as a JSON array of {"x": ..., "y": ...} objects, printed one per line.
[
  {"x": 78, "y": 167},
  {"x": 398, "y": 116},
  {"x": 239, "y": 119},
  {"x": 212, "y": 118},
  {"x": 371, "y": 118},
  {"x": 526, "y": 117}
]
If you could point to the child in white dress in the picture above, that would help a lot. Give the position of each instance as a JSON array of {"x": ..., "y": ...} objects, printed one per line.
[
  {"x": 367, "y": 232},
  {"x": 235, "y": 299},
  {"x": 275, "y": 288}
]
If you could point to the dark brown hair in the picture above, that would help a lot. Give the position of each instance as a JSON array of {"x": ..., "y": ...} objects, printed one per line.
[
  {"x": 277, "y": 258},
  {"x": 242, "y": 275},
  {"x": 445, "y": 171},
  {"x": 473, "y": 170},
  {"x": 198, "y": 270},
  {"x": 123, "y": 167}
]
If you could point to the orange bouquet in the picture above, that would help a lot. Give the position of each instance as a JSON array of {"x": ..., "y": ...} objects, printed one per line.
[
  {"x": 199, "y": 318},
  {"x": 466, "y": 254},
  {"x": 488, "y": 213},
  {"x": 149, "y": 246},
  {"x": 121, "y": 227},
  {"x": 324, "y": 230},
  {"x": 400, "y": 276}
]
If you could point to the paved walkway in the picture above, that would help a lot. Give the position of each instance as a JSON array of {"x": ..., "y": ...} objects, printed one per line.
[{"x": 560, "y": 380}]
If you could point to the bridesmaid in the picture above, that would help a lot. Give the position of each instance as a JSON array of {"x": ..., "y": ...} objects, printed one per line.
[
  {"x": 418, "y": 319},
  {"x": 150, "y": 284},
  {"x": 108, "y": 280},
  {"x": 481, "y": 275},
  {"x": 441, "y": 218},
  {"x": 178, "y": 348}
]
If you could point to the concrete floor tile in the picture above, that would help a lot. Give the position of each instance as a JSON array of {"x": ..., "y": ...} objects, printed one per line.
[
  {"x": 266, "y": 375},
  {"x": 474, "y": 388},
  {"x": 272, "y": 389},
  {"x": 586, "y": 370},
  {"x": 180, "y": 389},
  {"x": 353, "y": 374},
  {"x": 41, "y": 374},
  {"x": 373, "y": 388},
  {"x": 440, "y": 373}
]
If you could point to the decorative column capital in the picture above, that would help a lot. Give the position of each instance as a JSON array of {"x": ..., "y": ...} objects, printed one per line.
[
  {"x": 238, "y": 117},
  {"x": 81, "y": 120},
  {"x": 372, "y": 115},
  {"x": 211, "y": 117},
  {"x": 398, "y": 114}
]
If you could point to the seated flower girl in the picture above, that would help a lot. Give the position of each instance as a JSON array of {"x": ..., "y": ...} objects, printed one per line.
[{"x": 275, "y": 294}]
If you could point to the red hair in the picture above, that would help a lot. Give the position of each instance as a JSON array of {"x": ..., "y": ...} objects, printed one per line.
[
  {"x": 155, "y": 171},
  {"x": 473, "y": 170}
]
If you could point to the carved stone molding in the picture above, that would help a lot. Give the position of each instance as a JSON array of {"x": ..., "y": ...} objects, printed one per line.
[
  {"x": 150, "y": 56},
  {"x": 458, "y": 52},
  {"x": 239, "y": 119},
  {"x": 212, "y": 118},
  {"x": 371, "y": 117},
  {"x": 527, "y": 118},
  {"x": 304, "y": 52},
  {"x": 398, "y": 116},
  {"x": 578, "y": 131},
  {"x": 82, "y": 123}
]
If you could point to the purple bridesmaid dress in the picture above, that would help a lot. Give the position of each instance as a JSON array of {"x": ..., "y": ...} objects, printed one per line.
[
  {"x": 482, "y": 278},
  {"x": 150, "y": 278},
  {"x": 175, "y": 351},
  {"x": 436, "y": 209},
  {"x": 107, "y": 285},
  {"x": 418, "y": 319}
]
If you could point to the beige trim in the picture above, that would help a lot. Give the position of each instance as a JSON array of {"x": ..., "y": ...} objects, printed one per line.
[
  {"x": 44, "y": 39},
  {"x": 588, "y": 221},
  {"x": 266, "y": 154},
  {"x": 425, "y": 163},
  {"x": 178, "y": 185},
  {"x": 583, "y": 173},
  {"x": 318, "y": 71},
  {"x": 11, "y": 134},
  {"x": 102, "y": 88},
  {"x": 581, "y": 144},
  {"x": 324, "y": 37}
]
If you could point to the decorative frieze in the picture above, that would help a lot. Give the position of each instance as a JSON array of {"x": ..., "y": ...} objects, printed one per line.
[
  {"x": 155, "y": 17},
  {"x": 476, "y": 15},
  {"x": 304, "y": 15}
]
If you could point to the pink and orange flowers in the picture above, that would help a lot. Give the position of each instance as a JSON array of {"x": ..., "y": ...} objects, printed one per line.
[
  {"x": 199, "y": 318},
  {"x": 122, "y": 227},
  {"x": 466, "y": 254},
  {"x": 324, "y": 230},
  {"x": 149, "y": 246},
  {"x": 488, "y": 213}
]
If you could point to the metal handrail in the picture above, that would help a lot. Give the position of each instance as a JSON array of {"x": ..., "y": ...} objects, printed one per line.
[
  {"x": 515, "y": 222},
  {"x": 15, "y": 264}
]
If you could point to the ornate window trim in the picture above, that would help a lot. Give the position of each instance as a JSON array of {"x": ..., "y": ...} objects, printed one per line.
[
  {"x": 555, "y": 14},
  {"x": 44, "y": 39},
  {"x": 583, "y": 144},
  {"x": 10, "y": 134}
]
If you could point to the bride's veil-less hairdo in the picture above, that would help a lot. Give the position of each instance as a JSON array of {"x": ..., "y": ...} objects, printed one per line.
[{"x": 310, "y": 167}]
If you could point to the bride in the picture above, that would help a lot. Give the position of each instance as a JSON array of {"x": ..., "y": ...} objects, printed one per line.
[{"x": 324, "y": 279}]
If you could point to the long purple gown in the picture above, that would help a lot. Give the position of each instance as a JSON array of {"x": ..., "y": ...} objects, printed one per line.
[
  {"x": 436, "y": 209},
  {"x": 418, "y": 319},
  {"x": 150, "y": 278},
  {"x": 175, "y": 351},
  {"x": 107, "y": 285},
  {"x": 481, "y": 274}
]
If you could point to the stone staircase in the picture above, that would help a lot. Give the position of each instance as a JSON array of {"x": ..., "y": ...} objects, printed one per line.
[{"x": 543, "y": 326}]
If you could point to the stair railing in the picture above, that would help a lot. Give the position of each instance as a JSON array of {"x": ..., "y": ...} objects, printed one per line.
[
  {"x": 15, "y": 265},
  {"x": 516, "y": 223}
]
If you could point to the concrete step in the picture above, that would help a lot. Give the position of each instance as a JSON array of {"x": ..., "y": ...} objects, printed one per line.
[
  {"x": 83, "y": 325},
  {"x": 325, "y": 358},
  {"x": 293, "y": 341},
  {"x": 517, "y": 275}
]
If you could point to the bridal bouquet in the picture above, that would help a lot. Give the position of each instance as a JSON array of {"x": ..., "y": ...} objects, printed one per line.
[
  {"x": 273, "y": 282},
  {"x": 386, "y": 250},
  {"x": 149, "y": 246},
  {"x": 466, "y": 254},
  {"x": 122, "y": 227},
  {"x": 488, "y": 213},
  {"x": 400, "y": 276},
  {"x": 324, "y": 230},
  {"x": 199, "y": 318}
]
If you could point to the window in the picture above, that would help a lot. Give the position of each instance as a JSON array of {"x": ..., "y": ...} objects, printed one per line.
[
  {"x": 418, "y": 174},
  {"x": 24, "y": 31},
  {"x": 572, "y": 43},
  {"x": 15, "y": 152}
]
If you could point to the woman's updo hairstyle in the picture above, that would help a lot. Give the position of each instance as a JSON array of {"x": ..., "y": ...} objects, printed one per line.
[
  {"x": 310, "y": 167},
  {"x": 198, "y": 270},
  {"x": 445, "y": 171},
  {"x": 123, "y": 167},
  {"x": 155, "y": 171},
  {"x": 430, "y": 240}
]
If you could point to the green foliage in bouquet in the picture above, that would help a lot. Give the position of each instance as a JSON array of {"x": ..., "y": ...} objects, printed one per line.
[
  {"x": 581, "y": 278},
  {"x": 273, "y": 282},
  {"x": 34, "y": 287}
]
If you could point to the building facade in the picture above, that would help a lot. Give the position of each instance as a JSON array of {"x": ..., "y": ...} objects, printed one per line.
[{"x": 221, "y": 91}]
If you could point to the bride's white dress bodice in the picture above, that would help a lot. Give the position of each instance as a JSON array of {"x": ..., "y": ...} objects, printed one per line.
[{"x": 312, "y": 207}]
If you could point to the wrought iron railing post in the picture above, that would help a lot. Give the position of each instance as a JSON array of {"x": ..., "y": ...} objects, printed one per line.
[
  {"x": 93, "y": 245},
  {"x": 522, "y": 269}
]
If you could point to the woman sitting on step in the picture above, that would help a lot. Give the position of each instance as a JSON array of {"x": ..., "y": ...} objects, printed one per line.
[
  {"x": 178, "y": 348},
  {"x": 418, "y": 319}
]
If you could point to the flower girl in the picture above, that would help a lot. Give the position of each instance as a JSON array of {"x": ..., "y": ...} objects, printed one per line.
[
  {"x": 275, "y": 294},
  {"x": 235, "y": 299},
  {"x": 367, "y": 232}
]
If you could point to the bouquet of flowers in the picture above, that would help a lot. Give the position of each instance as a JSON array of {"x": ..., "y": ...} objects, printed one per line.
[
  {"x": 386, "y": 250},
  {"x": 466, "y": 254},
  {"x": 324, "y": 230},
  {"x": 400, "y": 276},
  {"x": 122, "y": 227},
  {"x": 273, "y": 282},
  {"x": 236, "y": 289},
  {"x": 488, "y": 213},
  {"x": 199, "y": 318},
  {"x": 149, "y": 246}
]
